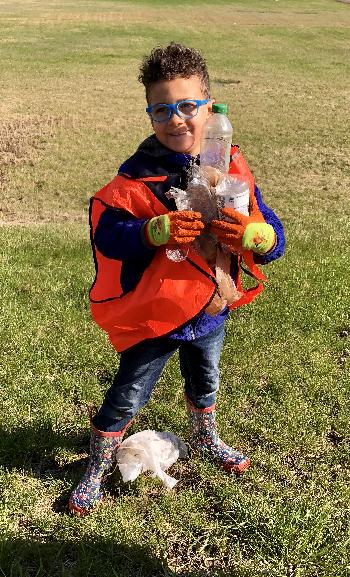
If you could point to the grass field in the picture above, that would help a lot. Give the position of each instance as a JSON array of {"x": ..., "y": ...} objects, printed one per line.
[{"x": 71, "y": 110}]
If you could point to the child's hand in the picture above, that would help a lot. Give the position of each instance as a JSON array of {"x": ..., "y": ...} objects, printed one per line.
[
  {"x": 177, "y": 227},
  {"x": 242, "y": 232}
]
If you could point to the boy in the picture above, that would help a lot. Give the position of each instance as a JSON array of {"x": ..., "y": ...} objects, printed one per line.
[{"x": 149, "y": 305}]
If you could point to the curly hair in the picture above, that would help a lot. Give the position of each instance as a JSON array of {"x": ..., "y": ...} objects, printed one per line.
[{"x": 173, "y": 61}]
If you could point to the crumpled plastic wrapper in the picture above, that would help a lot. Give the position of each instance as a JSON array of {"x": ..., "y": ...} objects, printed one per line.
[
  {"x": 201, "y": 197},
  {"x": 150, "y": 451}
]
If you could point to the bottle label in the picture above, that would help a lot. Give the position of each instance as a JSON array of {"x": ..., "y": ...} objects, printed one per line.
[
  {"x": 232, "y": 192},
  {"x": 239, "y": 202}
]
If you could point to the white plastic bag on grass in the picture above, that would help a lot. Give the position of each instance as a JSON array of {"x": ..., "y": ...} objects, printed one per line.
[{"x": 150, "y": 451}]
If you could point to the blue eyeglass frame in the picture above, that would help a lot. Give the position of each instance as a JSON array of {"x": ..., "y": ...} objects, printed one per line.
[{"x": 173, "y": 109}]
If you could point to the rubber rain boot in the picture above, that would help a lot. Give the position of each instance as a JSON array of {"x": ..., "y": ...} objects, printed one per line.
[
  {"x": 205, "y": 439},
  {"x": 103, "y": 449}
]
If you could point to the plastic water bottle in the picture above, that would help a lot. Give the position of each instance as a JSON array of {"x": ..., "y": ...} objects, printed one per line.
[
  {"x": 217, "y": 139},
  {"x": 231, "y": 191}
]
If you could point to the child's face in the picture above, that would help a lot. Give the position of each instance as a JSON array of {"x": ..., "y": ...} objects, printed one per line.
[{"x": 180, "y": 134}]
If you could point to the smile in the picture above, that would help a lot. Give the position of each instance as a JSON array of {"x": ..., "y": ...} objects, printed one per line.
[{"x": 179, "y": 133}]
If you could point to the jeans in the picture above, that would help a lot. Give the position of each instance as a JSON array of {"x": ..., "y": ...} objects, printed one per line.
[{"x": 141, "y": 366}]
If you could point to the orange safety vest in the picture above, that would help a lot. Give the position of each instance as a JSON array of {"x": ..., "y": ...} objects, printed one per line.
[{"x": 160, "y": 302}]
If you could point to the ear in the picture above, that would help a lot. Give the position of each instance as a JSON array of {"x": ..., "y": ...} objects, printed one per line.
[{"x": 210, "y": 106}]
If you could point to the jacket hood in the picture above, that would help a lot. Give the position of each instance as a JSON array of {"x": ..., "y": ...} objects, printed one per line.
[{"x": 153, "y": 158}]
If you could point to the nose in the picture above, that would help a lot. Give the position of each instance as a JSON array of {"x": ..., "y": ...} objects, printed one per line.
[{"x": 175, "y": 118}]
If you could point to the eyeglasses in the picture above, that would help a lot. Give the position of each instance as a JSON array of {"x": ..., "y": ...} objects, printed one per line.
[{"x": 184, "y": 109}]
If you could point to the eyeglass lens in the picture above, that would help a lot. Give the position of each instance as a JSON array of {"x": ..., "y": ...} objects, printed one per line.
[{"x": 185, "y": 108}]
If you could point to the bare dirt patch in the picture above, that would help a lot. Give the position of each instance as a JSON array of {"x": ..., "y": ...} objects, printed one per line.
[
  {"x": 21, "y": 137},
  {"x": 21, "y": 140}
]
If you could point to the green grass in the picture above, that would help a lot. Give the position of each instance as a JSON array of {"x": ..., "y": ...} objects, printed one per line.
[{"x": 72, "y": 110}]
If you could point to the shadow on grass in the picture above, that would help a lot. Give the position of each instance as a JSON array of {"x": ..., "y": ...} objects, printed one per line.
[
  {"x": 37, "y": 451},
  {"x": 88, "y": 557},
  {"x": 93, "y": 557},
  {"x": 35, "y": 448}
]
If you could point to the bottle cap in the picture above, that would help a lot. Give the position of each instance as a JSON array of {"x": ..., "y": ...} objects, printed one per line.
[{"x": 220, "y": 107}]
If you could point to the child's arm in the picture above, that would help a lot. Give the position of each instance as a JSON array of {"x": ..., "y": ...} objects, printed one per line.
[
  {"x": 270, "y": 218},
  {"x": 261, "y": 231},
  {"x": 119, "y": 236}
]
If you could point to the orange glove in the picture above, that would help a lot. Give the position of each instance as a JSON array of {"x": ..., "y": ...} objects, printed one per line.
[
  {"x": 241, "y": 232},
  {"x": 254, "y": 210},
  {"x": 177, "y": 227}
]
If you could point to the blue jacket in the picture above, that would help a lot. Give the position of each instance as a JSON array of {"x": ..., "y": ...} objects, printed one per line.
[{"x": 119, "y": 234}]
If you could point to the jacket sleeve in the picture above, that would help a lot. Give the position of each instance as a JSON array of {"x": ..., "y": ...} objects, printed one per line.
[
  {"x": 118, "y": 235},
  {"x": 271, "y": 218}
]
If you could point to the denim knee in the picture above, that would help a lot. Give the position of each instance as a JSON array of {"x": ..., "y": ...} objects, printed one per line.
[
  {"x": 139, "y": 370},
  {"x": 199, "y": 362}
]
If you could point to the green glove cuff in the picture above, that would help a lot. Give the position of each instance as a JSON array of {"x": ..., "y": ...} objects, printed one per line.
[
  {"x": 258, "y": 237},
  {"x": 158, "y": 230}
]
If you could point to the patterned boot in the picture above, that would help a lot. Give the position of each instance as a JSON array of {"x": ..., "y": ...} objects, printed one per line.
[
  {"x": 205, "y": 438},
  {"x": 103, "y": 449}
]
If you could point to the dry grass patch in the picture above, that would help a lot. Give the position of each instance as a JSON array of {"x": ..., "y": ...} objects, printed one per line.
[
  {"x": 197, "y": 17},
  {"x": 22, "y": 137}
]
